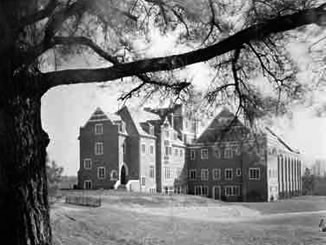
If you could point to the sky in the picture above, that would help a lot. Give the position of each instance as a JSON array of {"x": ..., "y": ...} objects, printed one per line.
[{"x": 67, "y": 108}]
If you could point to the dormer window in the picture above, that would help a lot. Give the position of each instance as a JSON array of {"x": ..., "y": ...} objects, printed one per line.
[{"x": 98, "y": 128}]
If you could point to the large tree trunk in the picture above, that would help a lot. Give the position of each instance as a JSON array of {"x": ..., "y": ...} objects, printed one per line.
[{"x": 24, "y": 208}]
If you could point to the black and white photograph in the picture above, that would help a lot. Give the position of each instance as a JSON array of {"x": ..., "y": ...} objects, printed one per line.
[{"x": 162, "y": 122}]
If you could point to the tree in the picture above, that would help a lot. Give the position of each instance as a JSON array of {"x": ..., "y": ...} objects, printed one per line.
[
  {"x": 307, "y": 182},
  {"x": 53, "y": 174},
  {"x": 31, "y": 29}
]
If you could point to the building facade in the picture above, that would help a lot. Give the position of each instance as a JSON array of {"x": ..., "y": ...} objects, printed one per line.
[{"x": 160, "y": 150}]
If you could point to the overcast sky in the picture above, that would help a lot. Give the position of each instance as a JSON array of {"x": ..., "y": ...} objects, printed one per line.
[{"x": 66, "y": 108}]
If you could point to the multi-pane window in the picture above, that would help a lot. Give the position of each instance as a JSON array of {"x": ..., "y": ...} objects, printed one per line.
[
  {"x": 204, "y": 154},
  {"x": 143, "y": 148},
  {"x": 151, "y": 171},
  {"x": 232, "y": 190},
  {"x": 192, "y": 154},
  {"x": 143, "y": 181},
  {"x": 176, "y": 152},
  {"x": 87, "y": 163},
  {"x": 168, "y": 151},
  {"x": 87, "y": 184},
  {"x": 228, "y": 174},
  {"x": 101, "y": 172},
  {"x": 181, "y": 153},
  {"x": 254, "y": 173},
  {"x": 204, "y": 174},
  {"x": 99, "y": 128},
  {"x": 99, "y": 148},
  {"x": 167, "y": 134},
  {"x": 201, "y": 190},
  {"x": 228, "y": 153},
  {"x": 192, "y": 174},
  {"x": 151, "y": 149},
  {"x": 217, "y": 153},
  {"x": 167, "y": 173},
  {"x": 238, "y": 171},
  {"x": 216, "y": 174}
]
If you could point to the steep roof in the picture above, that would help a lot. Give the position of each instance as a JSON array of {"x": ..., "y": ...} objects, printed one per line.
[
  {"x": 138, "y": 117},
  {"x": 99, "y": 115},
  {"x": 218, "y": 126}
]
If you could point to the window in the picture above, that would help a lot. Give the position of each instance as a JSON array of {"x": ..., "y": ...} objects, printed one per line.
[
  {"x": 167, "y": 134},
  {"x": 167, "y": 172},
  {"x": 217, "y": 153},
  {"x": 87, "y": 184},
  {"x": 181, "y": 153},
  {"x": 166, "y": 153},
  {"x": 143, "y": 181},
  {"x": 151, "y": 171},
  {"x": 170, "y": 151},
  {"x": 201, "y": 190},
  {"x": 101, "y": 172},
  {"x": 192, "y": 174},
  {"x": 143, "y": 148},
  {"x": 228, "y": 174},
  {"x": 151, "y": 149},
  {"x": 216, "y": 174},
  {"x": 228, "y": 153},
  {"x": 114, "y": 175},
  {"x": 99, "y": 128},
  {"x": 204, "y": 154},
  {"x": 176, "y": 152},
  {"x": 204, "y": 174},
  {"x": 151, "y": 130},
  {"x": 124, "y": 148},
  {"x": 236, "y": 150},
  {"x": 192, "y": 155},
  {"x": 238, "y": 171},
  {"x": 232, "y": 190},
  {"x": 87, "y": 163},
  {"x": 254, "y": 173},
  {"x": 98, "y": 148}
]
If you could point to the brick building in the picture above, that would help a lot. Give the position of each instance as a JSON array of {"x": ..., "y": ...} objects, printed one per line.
[
  {"x": 159, "y": 150},
  {"x": 231, "y": 162}
]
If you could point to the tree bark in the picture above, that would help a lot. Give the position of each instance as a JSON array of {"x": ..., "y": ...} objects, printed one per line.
[{"x": 24, "y": 208}]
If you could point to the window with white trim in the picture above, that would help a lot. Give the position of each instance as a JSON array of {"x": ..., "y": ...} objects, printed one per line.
[
  {"x": 238, "y": 171},
  {"x": 101, "y": 172},
  {"x": 216, "y": 174},
  {"x": 167, "y": 173},
  {"x": 217, "y": 153},
  {"x": 204, "y": 174},
  {"x": 143, "y": 148},
  {"x": 151, "y": 149},
  {"x": 228, "y": 174},
  {"x": 192, "y": 155},
  {"x": 143, "y": 181},
  {"x": 87, "y": 184},
  {"x": 201, "y": 190},
  {"x": 151, "y": 171},
  {"x": 114, "y": 175},
  {"x": 175, "y": 152},
  {"x": 228, "y": 153},
  {"x": 98, "y": 128},
  {"x": 204, "y": 154},
  {"x": 99, "y": 148},
  {"x": 254, "y": 173},
  {"x": 181, "y": 152},
  {"x": 232, "y": 190},
  {"x": 88, "y": 163},
  {"x": 192, "y": 174}
]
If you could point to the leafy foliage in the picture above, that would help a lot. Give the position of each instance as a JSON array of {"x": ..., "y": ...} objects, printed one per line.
[
  {"x": 307, "y": 182},
  {"x": 54, "y": 173}
]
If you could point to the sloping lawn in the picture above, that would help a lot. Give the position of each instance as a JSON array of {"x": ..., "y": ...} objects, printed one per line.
[{"x": 116, "y": 222}]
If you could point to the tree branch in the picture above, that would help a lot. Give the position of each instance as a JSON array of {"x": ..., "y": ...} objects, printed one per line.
[
  {"x": 255, "y": 32},
  {"x": 45, "y": 12}
]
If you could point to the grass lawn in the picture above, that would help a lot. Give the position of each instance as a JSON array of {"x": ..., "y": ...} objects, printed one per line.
[{"x": 118, "y": 222}]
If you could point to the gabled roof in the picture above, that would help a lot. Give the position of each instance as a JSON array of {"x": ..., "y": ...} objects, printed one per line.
[
  {"x": 138, "y": 117},
  {"x": 271, "y": 133},
  {"x": 219, "y": 125},
  {"x": 99, "y": 116}
]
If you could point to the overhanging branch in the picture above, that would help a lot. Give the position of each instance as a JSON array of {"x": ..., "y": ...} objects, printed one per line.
[{"x": 255, "y": 32}]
